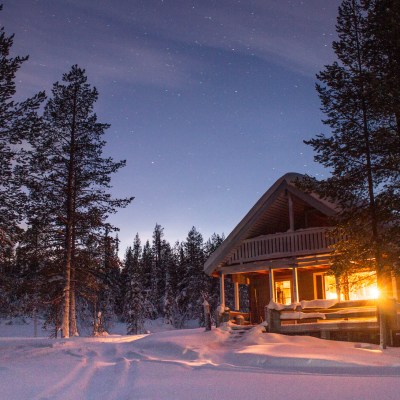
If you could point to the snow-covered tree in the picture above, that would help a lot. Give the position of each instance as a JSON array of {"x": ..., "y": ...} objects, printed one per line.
[
  {"x": 171, "y": 312},
  {"x": 158, "y": 271},
  {"x": 135, "y": 304},
  {"x": 194, "y": 284}
]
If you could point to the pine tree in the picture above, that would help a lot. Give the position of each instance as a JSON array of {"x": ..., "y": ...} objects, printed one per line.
[
  {"x": 354, "y": 152},
  {"x": 67, "y": 176},
  {"x": 182, "y": 295},
  {"x": 193, "y": 288},
  {"x": 213, "y": 286},
  {"x": 171, "y": 309},
  {"x": 17, "y": 121},
  {"x": 158, "y": 271},
  {"x": 146, "y": 265},
  {"x": 107, "y": 275},
  {"x": 122, "y": 290},
  {"x": 135, "y": 304}
]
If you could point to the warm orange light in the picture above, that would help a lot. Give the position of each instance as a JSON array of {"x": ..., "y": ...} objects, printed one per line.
[
  {"x": 361, "y": 285},
  {"x": 375, "y": 293}
]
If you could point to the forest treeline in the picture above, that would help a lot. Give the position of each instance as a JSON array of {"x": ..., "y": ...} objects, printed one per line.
[{"x": 160, "y": 280}]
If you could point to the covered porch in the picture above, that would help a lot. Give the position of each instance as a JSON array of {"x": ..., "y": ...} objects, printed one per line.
[{"x": 291, "y": 284}]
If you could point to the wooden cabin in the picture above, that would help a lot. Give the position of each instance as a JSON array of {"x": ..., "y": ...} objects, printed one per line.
[{"x": 281, "y": 250}]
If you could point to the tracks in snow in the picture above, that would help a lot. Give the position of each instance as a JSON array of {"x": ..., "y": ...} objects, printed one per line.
[{"x": 108, "y": 369}]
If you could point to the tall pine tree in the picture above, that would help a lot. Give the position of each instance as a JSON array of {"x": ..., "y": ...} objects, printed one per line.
[
  {"x": 68, "y": 178},
  {"x": 356, "y": 152}
]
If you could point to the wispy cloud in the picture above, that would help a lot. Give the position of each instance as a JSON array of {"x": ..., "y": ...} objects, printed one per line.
[
  {"x": 289, "y": 33},
  {"x": 162, "y": 43}
]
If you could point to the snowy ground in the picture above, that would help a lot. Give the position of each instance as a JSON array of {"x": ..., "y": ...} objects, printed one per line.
[{"x": 193, "y": 364}]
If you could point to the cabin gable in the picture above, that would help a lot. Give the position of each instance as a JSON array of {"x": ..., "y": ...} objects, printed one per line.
[{"x": 283, "y": 208}]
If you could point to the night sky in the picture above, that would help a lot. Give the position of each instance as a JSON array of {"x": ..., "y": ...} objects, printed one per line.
[{"x": 208, "y": 101}]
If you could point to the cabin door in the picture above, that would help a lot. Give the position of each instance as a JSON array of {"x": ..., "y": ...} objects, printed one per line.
[
  {"x": 319, "y": 286},
  {"x": 259, "y": 297}
]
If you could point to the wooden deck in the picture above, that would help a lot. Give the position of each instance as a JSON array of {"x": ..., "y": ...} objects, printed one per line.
[{"x": 280, "y": 245}]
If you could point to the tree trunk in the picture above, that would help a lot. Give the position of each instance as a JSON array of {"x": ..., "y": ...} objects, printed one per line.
[
  {"x": 74, "y": 326},
  {"x": 67, "y": 288},
  {"x": 72, "y": 311},
  {"x": 69, "y": 225},
  {"x": 371, "y": 194}
]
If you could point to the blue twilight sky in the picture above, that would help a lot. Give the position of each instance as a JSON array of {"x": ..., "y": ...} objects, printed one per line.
[{"x": 208, "y": 100}]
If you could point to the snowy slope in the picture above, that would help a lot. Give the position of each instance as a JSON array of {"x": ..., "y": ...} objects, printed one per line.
[{"x": 193, "y": 364}]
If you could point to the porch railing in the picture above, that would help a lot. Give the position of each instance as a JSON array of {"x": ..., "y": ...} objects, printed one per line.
[{"x": 297, "y": 243}]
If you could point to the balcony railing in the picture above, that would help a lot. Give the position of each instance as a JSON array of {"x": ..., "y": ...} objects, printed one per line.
[{"x": 287, "y": 244}]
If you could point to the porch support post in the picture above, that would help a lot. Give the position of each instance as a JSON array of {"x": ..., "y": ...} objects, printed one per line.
[
  {"x": 222, "y": 289},
  {"x": 338, "y": 287},
  {"x": 394, "y": 285},
  {"x": 236, "y": 295},
  {"x": 271, "y": 285},
  {"x": 295, "y": 285},
  {"x": 291, "y": 213}
]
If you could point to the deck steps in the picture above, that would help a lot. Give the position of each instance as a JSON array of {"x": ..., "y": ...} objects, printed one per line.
[
  {"x": 238, "y": 332},
  {"x": 241, "y": 327}
]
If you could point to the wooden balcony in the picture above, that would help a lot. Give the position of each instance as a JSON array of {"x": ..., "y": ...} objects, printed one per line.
[{"x": 288, "y": 244}]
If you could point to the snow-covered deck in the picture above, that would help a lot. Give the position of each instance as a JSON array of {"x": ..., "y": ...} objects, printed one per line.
[{"x": 342, "y": 321}]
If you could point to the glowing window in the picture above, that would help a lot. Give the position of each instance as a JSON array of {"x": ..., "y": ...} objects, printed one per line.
[{"x": 283, "y": 292}]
